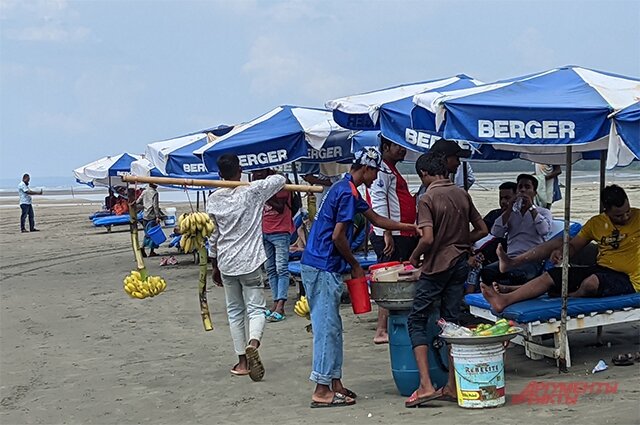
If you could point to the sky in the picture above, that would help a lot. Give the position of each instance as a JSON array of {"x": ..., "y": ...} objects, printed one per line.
[{"x": 80, "y": 80}]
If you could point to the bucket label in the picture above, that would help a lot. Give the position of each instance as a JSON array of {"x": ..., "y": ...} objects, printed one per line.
[{"x": 481, "y": 383}]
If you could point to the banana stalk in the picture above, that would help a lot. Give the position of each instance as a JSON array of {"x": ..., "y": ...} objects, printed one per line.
[
  {"x": 135, "y": 241},
  {"x": 202, "y": 289}
]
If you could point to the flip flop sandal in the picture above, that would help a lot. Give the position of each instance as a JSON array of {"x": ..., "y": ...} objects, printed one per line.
[
  {"x": 339, "y": 400},
  {"x": 238, "y": 372},
  {"x": 267, "y": 313},
  {"x": 347, "y": 392},
  {"x": 163, "y": 261},
  {"x": 256, "y": 368},
  {"x": 276, "y": 317},
  {"x": 415, "y": 401},
  {"x": 447, "y": 397},
  {"x": 623, "y": 360}
]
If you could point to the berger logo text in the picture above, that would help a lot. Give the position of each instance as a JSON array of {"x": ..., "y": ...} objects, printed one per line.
[{"x": 514, "y": 129}]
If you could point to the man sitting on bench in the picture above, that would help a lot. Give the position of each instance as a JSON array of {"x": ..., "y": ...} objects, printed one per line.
[{"x": 617, "y": 233}]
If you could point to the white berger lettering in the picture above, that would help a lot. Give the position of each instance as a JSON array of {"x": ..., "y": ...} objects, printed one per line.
[
  {"x": 420, "y": 139},
  {"x": 262, "y": 158},
  {"x": 514, "y": 129},
  {"x": 325, "y": 153},
  {"x": 194, "y": 168}
]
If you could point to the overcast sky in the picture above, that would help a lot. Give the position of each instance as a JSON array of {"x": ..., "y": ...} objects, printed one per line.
[{"x": 84, "y": 79}]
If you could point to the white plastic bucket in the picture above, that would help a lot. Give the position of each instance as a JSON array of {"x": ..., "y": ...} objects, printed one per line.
[
  {"x": 171, "y": 217},
  {"x": 479, "y": 375}
]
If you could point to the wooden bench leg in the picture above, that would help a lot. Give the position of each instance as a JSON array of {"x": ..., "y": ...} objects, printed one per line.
[
  {"x": 531, "y": 354},
  {"x": 556, "y": 344},
  {"x": 599, "y": 336}
]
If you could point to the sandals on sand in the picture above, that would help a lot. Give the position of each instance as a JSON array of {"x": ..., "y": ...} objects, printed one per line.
[
  {"x": 625, "y": 359},
  {"x": 236, "y": 372},
  {"x": 339, "y": 400},
  {"x": 256, "y": 368},
  {"x": 276, "y": 317},
  {"x": 415, "y": 401},
  {"x": 348, "y": 393}
]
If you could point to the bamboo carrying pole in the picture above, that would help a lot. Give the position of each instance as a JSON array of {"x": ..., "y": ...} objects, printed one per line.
[{"x": 211, "y": 183}]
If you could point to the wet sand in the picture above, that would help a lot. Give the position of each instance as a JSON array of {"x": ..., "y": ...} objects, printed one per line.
[{"x": 75, "y": 349}]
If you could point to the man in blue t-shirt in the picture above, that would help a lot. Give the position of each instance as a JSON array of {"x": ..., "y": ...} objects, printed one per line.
[{"x": 326, "y": 257}]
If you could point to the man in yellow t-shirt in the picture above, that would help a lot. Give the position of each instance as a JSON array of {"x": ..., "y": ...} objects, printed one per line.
[{"x": 617, "y": 272}]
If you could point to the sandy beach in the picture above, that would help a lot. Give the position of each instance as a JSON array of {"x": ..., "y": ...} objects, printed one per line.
[{"x": 74, "y": 348}]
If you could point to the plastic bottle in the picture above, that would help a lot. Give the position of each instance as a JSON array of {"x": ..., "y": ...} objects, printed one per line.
[
  {"x": 517, "y": 205},
  {"x": 451, "y": 329},
  {"x": 474, "y": 273}
]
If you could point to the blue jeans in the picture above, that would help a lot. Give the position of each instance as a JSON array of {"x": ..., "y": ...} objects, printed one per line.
[
  {"x": 323, "y": 293},
  {"x": 276, "y": 246}
]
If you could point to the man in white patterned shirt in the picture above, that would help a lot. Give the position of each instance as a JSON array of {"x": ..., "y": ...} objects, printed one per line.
[{"x": 237, "y": 250}]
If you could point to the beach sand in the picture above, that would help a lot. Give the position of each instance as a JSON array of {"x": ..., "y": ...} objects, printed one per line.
[{"x": 74, "y": 348}]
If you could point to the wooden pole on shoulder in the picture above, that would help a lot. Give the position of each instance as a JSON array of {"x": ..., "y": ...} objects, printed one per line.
[{"x": 211, "y": 183}]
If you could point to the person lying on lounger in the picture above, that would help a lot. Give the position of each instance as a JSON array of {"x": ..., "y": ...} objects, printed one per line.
[{"x": 617, "y": 233}]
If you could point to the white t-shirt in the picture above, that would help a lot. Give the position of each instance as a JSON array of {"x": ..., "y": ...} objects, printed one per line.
[{"x": 25, "y": 198}]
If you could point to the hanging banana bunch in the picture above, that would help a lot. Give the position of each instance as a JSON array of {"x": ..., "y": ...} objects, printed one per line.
[{"x": 195, "y": 228}]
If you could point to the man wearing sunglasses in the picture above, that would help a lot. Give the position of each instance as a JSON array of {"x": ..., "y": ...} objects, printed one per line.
[{"x": 616, "y": 231}]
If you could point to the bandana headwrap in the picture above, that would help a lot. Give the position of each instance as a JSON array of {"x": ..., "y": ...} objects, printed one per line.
[{"x": 368, "y": 156}]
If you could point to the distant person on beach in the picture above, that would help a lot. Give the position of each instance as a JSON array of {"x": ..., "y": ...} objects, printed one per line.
[
  {"x": 238, "y": 253},
  {"x": 617, "y": 233},
  {"x": 390, "y": 197},
  {"x": 525, "y": 228},
  {"x": 445, "y": 213},
  {"x": 25, "y": 204},
  {"x": 549, "y": 186},
  {"x": 277, "y": 226},
  {"x": 326, "y": 257},
  {"x": 152, "y": 216}
]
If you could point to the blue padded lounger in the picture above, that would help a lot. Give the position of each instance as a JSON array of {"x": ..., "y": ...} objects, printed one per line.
[
  {"x": 541, "y": 316},
  {"x": 113, "y": 220}
]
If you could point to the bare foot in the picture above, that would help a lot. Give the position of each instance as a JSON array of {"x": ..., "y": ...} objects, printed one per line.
[
  {"x": 503, "y": 289},
  {"x": 504, "y": 262},
  {"x": 494, "y": 298},
  {"x": 381, "y": 338}
]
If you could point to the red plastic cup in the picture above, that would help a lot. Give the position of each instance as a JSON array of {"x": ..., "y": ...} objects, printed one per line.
[{"x": 359, "y": 294}]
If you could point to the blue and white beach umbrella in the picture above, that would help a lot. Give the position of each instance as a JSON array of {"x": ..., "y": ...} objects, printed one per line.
[
  {"x": 389, "y": 110},
  {"x": 537, "y": 114},
  {"x": 283, "y": 135},
  {"x": 175, "y": 158},
  {"x": 626, "y": 126},
  {"x": 105, "y": 171}
]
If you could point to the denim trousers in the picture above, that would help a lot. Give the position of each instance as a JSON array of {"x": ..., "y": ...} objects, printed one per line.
[
  {"x": 446, "y": 289},
  {"x": 276, "y": 246},
  {"x": 245, "y": 308},
  {"x": 27, "y": 210},
  {"x": 323, "y": 293}
]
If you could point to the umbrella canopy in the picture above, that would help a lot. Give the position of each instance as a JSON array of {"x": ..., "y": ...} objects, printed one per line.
[
  {"x": 175, "y": 158},
  {"x": 144, "y": 167},
  {"x": 105, "y": 171},
  {"x": 285, "y": 134},
  {"x": 626, "y": 125},
  {"x": 535, "y": 114},
  {"x": 389, "y": 109}
]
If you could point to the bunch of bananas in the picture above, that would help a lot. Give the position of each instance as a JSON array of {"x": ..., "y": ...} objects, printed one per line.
[
  {"x": 302, "y": 308},
  {"x": 195, "y": 228},
  {"x": 135, "y": 287}
]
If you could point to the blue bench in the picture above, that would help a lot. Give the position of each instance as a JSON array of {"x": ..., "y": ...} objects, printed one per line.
[{"x": 541, "y": 316}]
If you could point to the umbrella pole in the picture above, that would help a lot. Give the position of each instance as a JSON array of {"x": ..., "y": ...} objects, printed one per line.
[
  {"x": 562, "y": 354},
  {"x": 603, "y": 174},
  {"x": 465, "y": 176}
]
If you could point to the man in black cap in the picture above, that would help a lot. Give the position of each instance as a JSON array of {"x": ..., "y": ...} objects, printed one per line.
[{"x": 453, "y": 152}]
